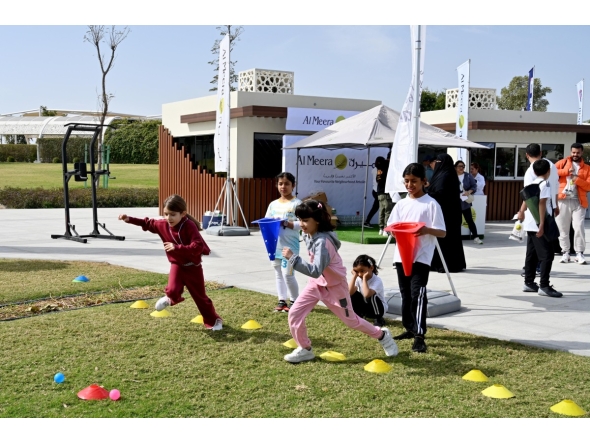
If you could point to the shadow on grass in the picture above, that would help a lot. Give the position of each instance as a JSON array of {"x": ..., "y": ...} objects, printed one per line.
[{"x": 21, "y": 266}]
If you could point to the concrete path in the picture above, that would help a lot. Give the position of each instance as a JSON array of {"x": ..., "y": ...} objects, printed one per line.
[{"x": 493, "y": 304}]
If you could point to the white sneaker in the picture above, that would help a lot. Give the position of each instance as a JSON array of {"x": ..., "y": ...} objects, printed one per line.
[
  {"x": 218, "y": 325},
  {"x": 580, "y": 259},
  {"x": 299, "y": 355},
  {"x": 162, "y": 303},
  {"x": 380, "y": 232},
  {"x": 565, "y": 258},
  {"x": 388, "y": 343},
  {"x": 477, "y": 240}
]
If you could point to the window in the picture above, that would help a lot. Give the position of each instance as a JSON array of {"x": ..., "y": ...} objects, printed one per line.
[
  {"x": 200, "y": 150},
  {"x": 268, "y": 155},
  {"x": 505, "y": 160},
  {"x": 485, "y": 158},
  {"x": 553, "y": 152}
]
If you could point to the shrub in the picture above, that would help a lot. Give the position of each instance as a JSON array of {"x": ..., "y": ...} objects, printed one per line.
[
  {"x": 19, "y": 152},
  {"x": 50, "y": 148},
  {"x": 56, "y": 160},
  {"x": 10, "y": 159},
  {"x": 133, "y": 141},
  {"x": 24, "y": 198}
]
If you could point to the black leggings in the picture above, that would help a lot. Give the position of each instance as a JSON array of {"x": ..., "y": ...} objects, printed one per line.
[
  {"x": 469, "y": 219},
  {"x": 371, "y": 308},
  {"x": 373, "y": 209},
  {"x": 414, "y": 299}
]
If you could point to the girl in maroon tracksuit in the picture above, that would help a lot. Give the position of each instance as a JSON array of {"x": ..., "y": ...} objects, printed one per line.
[{"x": 184, "y": 246}]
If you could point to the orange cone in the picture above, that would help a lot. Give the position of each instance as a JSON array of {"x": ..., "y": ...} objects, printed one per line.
[{"x": 405, "y": 241}]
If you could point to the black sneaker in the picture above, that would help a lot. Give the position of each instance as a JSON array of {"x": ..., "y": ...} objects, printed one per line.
[
  {"x": 367, "y": 225},
  {"x": 282, "y": 306},
  {"x": 549, "y": 291},
  {"x": 379, "y": 322},
  {"x": 532, "y": 287},
  {"x": 419, "y": 345},
  {"x": 404, "y": 335}
]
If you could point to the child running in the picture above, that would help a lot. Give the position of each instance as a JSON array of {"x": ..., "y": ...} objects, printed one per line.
[
  {"x": 417, "y": 207},
  {"x": 284, "y": 208},
  {"x": 184, "y": 246},
  {"x": 327, "y": 284},
  {"x": 366, "y": 290}
]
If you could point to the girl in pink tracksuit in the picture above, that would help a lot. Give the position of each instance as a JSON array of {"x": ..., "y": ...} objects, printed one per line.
[{"x": 327, "y": 283}]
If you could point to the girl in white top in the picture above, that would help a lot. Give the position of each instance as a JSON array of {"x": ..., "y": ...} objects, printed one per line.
[
  {"x": 366, "y": 290},
  {"x": 284, "y": 208},
  {"x": 417, "y": 207}
]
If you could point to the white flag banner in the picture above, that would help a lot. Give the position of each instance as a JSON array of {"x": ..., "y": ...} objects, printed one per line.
[
  {"x": 580, "y": 87},
  {"x": 462, "y": 106},
  {"x": 405, "y": 148},
  {"x": 222, "y": 117}
]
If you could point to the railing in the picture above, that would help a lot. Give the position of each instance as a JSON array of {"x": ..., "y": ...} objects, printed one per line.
[{"x": 503, "y": 199}]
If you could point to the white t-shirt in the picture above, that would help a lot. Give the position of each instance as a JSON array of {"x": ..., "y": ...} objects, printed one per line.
[
  {"x": 553, "y": 182},
  {"x": 287, "y": 237},
  {"x": 481, "y": 182},
  {"x": 424, "y": 209},
  {"x": 376, "y": 284},
  {"x": 544, "y": 193}
]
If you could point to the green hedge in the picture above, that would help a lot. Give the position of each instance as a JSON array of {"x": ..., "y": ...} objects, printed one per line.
[
  {"x": 79, "y": 197},
  {"x": 19, "y": 152},
  {"x": 133, "y": 142},
  {"x": 50, "y": 148}
]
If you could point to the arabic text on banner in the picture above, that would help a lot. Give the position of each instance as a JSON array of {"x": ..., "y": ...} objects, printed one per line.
[{"x": 222, "y": 117}]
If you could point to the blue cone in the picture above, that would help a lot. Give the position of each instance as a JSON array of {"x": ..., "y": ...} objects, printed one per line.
[
  {"x": 270, "y": 229},
  {"x": 81, "y": 278}
]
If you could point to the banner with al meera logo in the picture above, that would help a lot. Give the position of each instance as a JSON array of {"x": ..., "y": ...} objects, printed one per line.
[
  {"x": 580, "y": 89},
  {"x": 222, "y": 112},
  {"x": 462, "y": 106}
]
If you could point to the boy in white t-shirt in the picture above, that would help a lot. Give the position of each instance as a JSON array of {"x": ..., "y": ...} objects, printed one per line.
[
  {"x": 538, "y": 247},
  {"x": 417, "y": 207}
]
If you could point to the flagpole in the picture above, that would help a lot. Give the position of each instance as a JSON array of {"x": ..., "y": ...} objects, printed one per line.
[{"x": 416, "y": 111}]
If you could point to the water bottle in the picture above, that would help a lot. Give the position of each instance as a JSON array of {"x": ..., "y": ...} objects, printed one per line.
[{"x": 286, "y": 266}]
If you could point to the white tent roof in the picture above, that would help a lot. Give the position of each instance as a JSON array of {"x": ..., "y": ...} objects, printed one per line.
[
  {"x": 376, "y": 127},
  {"x": 46, "y": 126}
]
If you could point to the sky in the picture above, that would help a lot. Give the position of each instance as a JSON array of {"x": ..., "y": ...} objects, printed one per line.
[{"x": 46, "y": 61}]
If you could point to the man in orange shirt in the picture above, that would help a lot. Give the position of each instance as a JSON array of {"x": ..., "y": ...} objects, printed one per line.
[{"x": 574, "y": 183}]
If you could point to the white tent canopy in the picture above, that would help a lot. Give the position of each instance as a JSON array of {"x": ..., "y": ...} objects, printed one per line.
[{"x": 376, "y": 127}]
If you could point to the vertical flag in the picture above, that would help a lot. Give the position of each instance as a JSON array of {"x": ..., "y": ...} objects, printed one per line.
[
  {"x": 222, "y": 117},
  {"x": 580, "y": 88},
  {"x": 404, "y": 150},
  {"x": 529, "y": 100},
  {"x": 462, "y": 106}
]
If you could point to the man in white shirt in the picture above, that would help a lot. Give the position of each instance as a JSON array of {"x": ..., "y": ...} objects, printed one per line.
[{"x": 538, "y": 248}]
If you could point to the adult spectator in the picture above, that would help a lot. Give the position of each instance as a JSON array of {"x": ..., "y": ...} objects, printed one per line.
[
  {"x": 445, "y": 189},
  {"x": 429, "y": 171},
  {"x": 574, "y": 183},
  {"x": 375, "y": 207},
  {"x": 481, "y": 182},
  {"x": 385, "y": 202},
  {"x": 468, "y": 187}
]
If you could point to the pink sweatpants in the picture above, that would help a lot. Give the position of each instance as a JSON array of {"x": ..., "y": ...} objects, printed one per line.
[{"x": 337, "y": 299}]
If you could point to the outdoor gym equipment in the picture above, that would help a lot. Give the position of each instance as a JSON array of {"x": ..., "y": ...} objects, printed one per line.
[{"x": 80, "y": 174}]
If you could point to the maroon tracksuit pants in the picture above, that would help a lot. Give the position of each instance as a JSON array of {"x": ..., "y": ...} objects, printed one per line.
[{"x": 192, "y": 277}]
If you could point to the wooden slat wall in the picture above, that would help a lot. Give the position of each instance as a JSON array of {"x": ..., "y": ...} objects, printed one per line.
[
  {"x": 503, "y": 199},
  {"x": 201, "y": 189}
]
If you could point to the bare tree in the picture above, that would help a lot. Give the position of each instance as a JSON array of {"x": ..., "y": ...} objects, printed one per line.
[
  {"x": 112, "y": 37},
  {"x": 234, "y": 36}
]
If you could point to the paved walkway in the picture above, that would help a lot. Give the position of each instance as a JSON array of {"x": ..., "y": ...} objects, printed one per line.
[{"x": 493, "y": 304}]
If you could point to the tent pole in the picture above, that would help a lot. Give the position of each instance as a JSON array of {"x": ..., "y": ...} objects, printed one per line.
[
  {"x": 296, "y": 172},
  {"x": 365, "y": 196}
]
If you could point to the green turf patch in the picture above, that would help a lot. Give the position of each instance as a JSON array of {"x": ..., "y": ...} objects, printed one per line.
[
  {"x": 170, "y": 367},
  {"x": 353, "y": 234}
]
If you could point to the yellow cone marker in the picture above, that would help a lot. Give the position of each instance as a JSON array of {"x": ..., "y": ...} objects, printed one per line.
[
  {"x": 333, "y": 356},
  {"x": 497, "y": 391},
  {"x": 140, "y": 304},
  {"x": 160, "y": 314},
  {"x": 251, "y": 325},
  {"x": 198, "y": 319},
  {"x": 290, "y": 343},
  {"x": 568, "y": 407},
  {"x": 475, "y": 376},
  {"x": 378, "y": 366}
]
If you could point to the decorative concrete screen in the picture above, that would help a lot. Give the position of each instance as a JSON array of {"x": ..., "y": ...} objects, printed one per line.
[
  {"x": 479, "y": 98},
  {"x": 267, "y": 81}
]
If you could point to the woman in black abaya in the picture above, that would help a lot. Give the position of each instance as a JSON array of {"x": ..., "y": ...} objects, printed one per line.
[{"x": 445, "y": 189}]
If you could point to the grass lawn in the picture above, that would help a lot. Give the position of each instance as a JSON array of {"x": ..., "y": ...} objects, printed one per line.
[
  {"x": 170, "y": 367},
  {"x": 49, "y": 175},
  {"x": 353, "y": 234}
]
